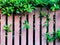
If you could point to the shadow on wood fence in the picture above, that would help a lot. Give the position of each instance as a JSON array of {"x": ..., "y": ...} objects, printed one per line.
[{"x": 32, "y": 36}]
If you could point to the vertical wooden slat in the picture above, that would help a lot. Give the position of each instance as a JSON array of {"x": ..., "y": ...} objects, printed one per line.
[
  {"x": 51, "y": 26},
  {"x": 37, "y": 27},
  {"x": 2, "y": 31},
  {"x": 10, "y": 33},
  {"x": 16, "y": 30},
  {"x": 57, "y": 24},
  {"x": 43, "y": 29},
  {"x": 23, "y": 31},
  {"x": 31, "y": 29}
]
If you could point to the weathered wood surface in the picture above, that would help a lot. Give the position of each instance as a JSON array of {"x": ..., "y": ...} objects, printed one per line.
[{"x": 30, "y": 31}]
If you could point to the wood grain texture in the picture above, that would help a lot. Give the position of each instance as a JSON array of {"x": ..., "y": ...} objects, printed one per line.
[
  {"x": 30, "y": 31},
  {"x": 2, "y": 30},
  {"x": 10, "y": 33}
]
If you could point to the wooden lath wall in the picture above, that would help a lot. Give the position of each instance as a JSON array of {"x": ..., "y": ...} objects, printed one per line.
[{"x": 32, "y": 36}]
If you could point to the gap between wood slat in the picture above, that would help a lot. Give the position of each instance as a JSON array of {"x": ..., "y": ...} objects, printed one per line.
[
  {"x": 6, "y": 37},
  {"x": 40, "y": 29},
  {"x": 20, "y": 29},
  {"x": 13, "y": 28},
  {"x": 34, "y": 28},
  {"x": 47, "y": 28},
  {"x": 54, "y": 26},
  {"x": 27, "y": 18}
]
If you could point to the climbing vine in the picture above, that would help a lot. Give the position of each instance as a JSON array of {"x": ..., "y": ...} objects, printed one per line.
[{"x": 51, "y": 38}]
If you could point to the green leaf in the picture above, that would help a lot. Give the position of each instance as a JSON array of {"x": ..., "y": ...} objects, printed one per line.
[
  {"x": 8, "y": 14},
  {"x": 45, "y": 25},
  {"x": 58, "y": 32},
  {"x": 26, "y": 25},
  {"x": 53, "y": 8},
  {"x": 49, "y": 37},
  {"x": 7, "y": 28}
]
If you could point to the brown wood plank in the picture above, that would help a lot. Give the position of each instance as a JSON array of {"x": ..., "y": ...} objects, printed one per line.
[
  {"x": 10, "y": 33},
  {"x": 30, "y": 39},
  {"x": 51, "y": 26},
  {"x": 2, "y": 30},
  {"x": 57, "y": 24},
  {"x": 16, "y": 30},
  {"x": 23, "y": 31},
  {"x": 37, "y": 27},
  {"x": 43, "y": 29}
]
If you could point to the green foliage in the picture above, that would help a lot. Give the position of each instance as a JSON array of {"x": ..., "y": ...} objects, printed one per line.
[
  {"x": 7, "y": 28},
  {"x": 42, "y": 2},
  {"x": 58, "y": 33},
  {"x": 55, "y": 7},
  {"x": 49, "y": 37},
  {"x": 16, "y": 6},
  {"x": 26, "y": 25},
  {"x": 53, "y": 36},
  {"x": 21, "y": 6},
  {"x": 42, "y": 14},
  {"x": 7, "y": 10},
  {"x": 49, "y": 4},
  {"x": 47, "y": 20}
]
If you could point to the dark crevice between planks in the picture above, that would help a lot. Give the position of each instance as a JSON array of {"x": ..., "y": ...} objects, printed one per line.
[
  {"x": 13, "y": 29},
  {"x": 27, "y": 31},
  {"x": 6, "y": 34},
  {"x": 47, "y": 28},
  {"x": 34, "y": 28},
  {"x": 40, "y": 28},
  {"x": 54, "y": 26},
  {"x": 20, "y": 32}
]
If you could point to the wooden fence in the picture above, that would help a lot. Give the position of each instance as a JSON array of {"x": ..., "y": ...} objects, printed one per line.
[{"x": 32, "y": 36}]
